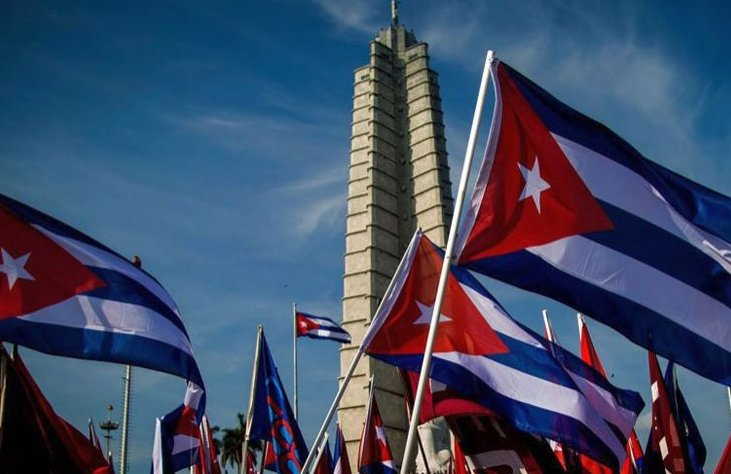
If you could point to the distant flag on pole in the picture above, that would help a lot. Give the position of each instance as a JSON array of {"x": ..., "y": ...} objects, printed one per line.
[
  {"x": 64, "y": 293},
  {"x": 341, "y": 463},
  {"x": 485, "y": 355},
  {"x": 177, "y": 434},
  {"x": 318, "y": 327},
  {"x": 694, "y": 448},
  {"x": 374, "y": 454},
  {"x": 273, "y": 419},
  {"x": 564, "y": 207},
  {"x": 664, "y": 451},
  {"x": 633, "y": 462},
  {"x": 208, "y": 454}
]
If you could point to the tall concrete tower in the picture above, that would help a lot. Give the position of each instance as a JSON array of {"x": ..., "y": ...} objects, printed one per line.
[{"x": 398, "y": 181}]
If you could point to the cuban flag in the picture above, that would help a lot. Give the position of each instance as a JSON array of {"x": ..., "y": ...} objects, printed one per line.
[
  {"x": 341, "y": 463},
  {"x": 485, "y": 355},
  {"x": 273, "y": 419},
  {"x": 63, "y": 293},
  {"x": 564, "y": 207},
  {"x": 664, "y": 451},
  {"x": 177, "y": 439},
  {"x": 318, "y": 327},
  {"x": 374, "y": 454},
  {"x": 633, "y": 462}
]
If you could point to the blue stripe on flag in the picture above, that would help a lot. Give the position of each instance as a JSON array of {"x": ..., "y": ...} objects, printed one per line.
[
  {"x": 665, "y": 252},
  {"x": 124, "y": 289},
  {"x": 523, "y": 416},
  {"x": 340, "y": 337},
  {"x": 709, "y": 210},
  {"x": 636, "y": 322},
  {"x": 102, "y": 345}
]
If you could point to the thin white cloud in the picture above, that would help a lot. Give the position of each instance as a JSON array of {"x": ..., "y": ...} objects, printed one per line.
[{"x": 355, "y": 14}]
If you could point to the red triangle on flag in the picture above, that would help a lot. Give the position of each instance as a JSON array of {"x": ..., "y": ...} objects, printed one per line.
[
  {"x": 462, "y": 328},
  {"x": 35, "y": 271},
  {"x": 534, "y": 195}
]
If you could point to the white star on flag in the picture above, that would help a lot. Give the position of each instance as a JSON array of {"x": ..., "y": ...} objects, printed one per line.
[
  {"x": 14, "y": 268},
  {"x": 534, "y": 184},
  {"x": 425, "y": 316}
]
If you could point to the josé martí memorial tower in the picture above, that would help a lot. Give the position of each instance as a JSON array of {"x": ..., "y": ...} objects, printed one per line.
[{"x": 398, "y": 182}]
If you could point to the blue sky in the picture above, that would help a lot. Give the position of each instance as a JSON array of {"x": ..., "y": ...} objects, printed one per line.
[{"x": 212, "y": 140}]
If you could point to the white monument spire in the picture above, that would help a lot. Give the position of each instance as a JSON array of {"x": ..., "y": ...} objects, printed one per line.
[{"x": 394, "y": 12}]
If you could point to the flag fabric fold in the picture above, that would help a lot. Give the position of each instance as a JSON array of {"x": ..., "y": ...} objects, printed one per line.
[
  {"x": 488, "y": 357},
  {"x": 64, "y": 293},
  {"x": 273, "y": 419},
  {"x": 318, "y": 327},
  {"x": 564, "y": 207},
  {"x": 177, "y": 438},
  {"x": 374, "y": 453}
]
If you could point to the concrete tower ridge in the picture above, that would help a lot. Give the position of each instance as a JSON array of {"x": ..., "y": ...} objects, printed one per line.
[{"x": 398, "y": 181}]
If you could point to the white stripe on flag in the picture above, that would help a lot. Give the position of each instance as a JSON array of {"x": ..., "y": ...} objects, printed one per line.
[
  {"x": 85, "y": 312},
  {"x": 183, "y": 443},
  {"x": 639, "y": 282},
  {"x": 96, "y": 257},
  {"x": 538, "y": 392},
  {"x": 323, "y": 321},
  {"x": 620, "y": 186}
]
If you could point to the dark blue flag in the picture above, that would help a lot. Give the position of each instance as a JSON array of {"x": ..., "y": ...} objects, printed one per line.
[
  {"x": 691, "y": 441},
  {"x": 273, "y": 419}
]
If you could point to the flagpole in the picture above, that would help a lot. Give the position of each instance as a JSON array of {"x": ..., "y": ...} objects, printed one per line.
[
  {"x": 294, "y": 352},
  {"x": 123, "y": 443},
  {"x": 407, "y": 398},
  {"x": 344, "y": 385},
  {"x": 125, "y": 419},
  {"x": 448, "y": 256},
  {"x": 252, "y": 393},
  {"x": 321, "y": 451}
]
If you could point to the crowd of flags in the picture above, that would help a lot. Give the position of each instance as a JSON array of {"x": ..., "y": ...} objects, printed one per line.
[{"x": 562, "y": 207}]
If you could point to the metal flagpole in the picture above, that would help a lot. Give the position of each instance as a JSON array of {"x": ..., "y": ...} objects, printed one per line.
[
  {"x": 126, "y": 401},
  {"x": 407, "y": 399},
  {"x": 343, "y": 386},
  {"x": 294, "y": 352},
  {"x": 321, "y": 451},
  {"x": 125, "y": 419},
  {"x": 252, "y": 392},
  {"x": 448, "y": 256}
]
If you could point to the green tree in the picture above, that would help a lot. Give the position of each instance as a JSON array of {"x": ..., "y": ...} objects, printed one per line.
[{"x": 232, "y": 442}]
